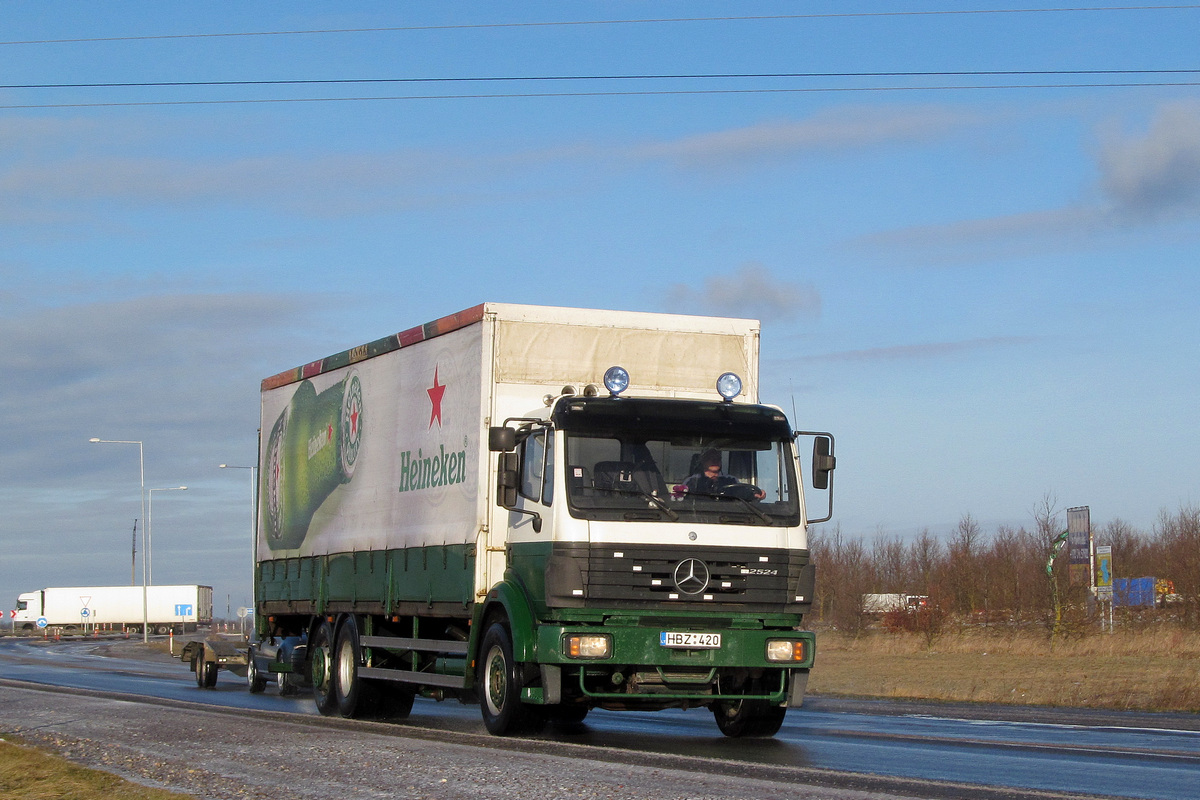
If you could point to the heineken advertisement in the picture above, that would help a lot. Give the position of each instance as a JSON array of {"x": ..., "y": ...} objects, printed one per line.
[
  {"x": 379, "y": 455},
  {"x": 312, "y": 449},
  {"x": 418, "y": 471}
]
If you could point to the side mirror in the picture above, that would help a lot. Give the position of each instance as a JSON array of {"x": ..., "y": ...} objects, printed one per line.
[
  {"x": 502, "y": 440},
  {"x": 507, "y": 477},
  {"x": 823, "y": 461}
]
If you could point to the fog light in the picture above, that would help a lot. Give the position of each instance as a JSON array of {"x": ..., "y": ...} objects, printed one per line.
[
  {"x": 616, "y": 380},
  {"x": 587, "y": 645},
  {"x": 785, "y": 650}
]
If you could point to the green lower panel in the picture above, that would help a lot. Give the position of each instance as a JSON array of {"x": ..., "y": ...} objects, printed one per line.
[{"x": 373, "y": 580}]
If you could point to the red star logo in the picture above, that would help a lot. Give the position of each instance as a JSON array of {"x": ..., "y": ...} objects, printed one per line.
[{"x": 435, "y": 399}]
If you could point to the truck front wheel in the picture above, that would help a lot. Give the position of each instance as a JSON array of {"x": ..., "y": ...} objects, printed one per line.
[
  {"x": 748, "y": 718},
  {"x": 499, "y": 681}
]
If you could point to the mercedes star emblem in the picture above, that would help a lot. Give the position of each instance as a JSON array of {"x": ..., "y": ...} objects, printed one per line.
[{"x": 691, "y": 576}]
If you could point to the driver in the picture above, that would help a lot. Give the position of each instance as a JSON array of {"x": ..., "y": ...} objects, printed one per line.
[{"x": 708, "y": 480}]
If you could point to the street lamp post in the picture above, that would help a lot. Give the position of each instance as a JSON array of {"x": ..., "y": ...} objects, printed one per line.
[
  {"x": 150, "y": 531},
  {"x": 253, "y": 522},
  {"x": 142, "y": 466}
]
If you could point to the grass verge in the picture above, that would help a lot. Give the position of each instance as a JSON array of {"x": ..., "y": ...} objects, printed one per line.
[
  {"x": 28, "y": 773},
  {"x": 1149, "y": 670}
]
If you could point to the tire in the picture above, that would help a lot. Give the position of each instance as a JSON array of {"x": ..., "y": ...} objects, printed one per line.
[
  {"x": 320, "y": 668},
  {"x": 393, "y": 702},
  {"x": 255, "y": 680},
  {"x": 566, "y": 715},
  {"x": 748, "y": 719},
  {"x": 289, "y": 684},
  {"x": 353, "y": 693},
  {"x": 210, "y": 669},
  {"x": 499, "y": 679}
]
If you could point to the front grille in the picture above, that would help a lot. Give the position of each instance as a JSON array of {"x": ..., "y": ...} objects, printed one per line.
[{"x": 700, "y": 575}]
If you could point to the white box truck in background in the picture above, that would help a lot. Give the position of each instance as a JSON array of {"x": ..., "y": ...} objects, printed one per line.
[{"x": 167, "y": 608}]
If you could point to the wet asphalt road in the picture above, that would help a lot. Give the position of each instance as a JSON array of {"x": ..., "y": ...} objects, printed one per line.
[{"x": 911, "y": 749}]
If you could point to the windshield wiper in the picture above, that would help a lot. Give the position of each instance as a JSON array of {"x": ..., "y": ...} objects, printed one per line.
[
  {"x": 724, "y": 496},
  {"x": 653, "y": 498}
]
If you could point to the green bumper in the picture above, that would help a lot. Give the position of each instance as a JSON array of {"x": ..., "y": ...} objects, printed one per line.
[{"x": 640, "y": 663}]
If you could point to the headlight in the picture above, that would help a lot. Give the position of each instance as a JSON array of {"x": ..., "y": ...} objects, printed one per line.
[
  {"x": 788, "y": 650},
  {"x": 587, "y": 645}
]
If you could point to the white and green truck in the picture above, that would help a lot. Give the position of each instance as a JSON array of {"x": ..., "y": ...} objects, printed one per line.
[{"x": 543, "y": 510}]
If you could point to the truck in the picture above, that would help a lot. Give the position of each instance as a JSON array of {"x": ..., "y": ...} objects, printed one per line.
[
  {"x": 164, "y": 609},
  {"x": 505, "y": 506}
]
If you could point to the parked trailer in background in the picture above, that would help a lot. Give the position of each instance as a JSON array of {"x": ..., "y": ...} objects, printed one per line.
[
  {"x": 460, "y": 511},
  {"x": 167, "y": 608}
]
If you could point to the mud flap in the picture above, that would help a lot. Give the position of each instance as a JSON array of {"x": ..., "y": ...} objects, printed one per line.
[{"x": 797, "y": 688}]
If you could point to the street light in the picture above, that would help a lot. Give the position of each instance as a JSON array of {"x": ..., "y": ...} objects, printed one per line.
[
  {"x": 253, "y": 522},
  {"x": 150, "y": 531},
  {"x": 142, "y": 464}
]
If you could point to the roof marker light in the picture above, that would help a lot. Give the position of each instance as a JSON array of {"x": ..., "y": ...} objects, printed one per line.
[
  {"x": 729, "y": 386},
  {"x": 616, "y": 380}
]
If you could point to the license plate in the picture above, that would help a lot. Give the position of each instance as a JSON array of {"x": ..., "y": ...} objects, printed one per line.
[{"x": 690, "y": 640}]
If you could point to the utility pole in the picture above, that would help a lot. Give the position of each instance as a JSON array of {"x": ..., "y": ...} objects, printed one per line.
[{"x": 133, "y": 560}]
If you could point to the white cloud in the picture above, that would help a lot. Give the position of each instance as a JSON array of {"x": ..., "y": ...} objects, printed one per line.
[
  {"x": 1159, "y": 171},
  {"x": 751, "y": 291},
  {"x": 837, "y": 129}
]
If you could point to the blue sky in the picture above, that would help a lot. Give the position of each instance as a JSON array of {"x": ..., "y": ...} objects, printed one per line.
[{"x": 987, "y": 294}]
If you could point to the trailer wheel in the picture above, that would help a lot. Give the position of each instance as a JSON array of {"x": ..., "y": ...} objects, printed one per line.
[
  {"x": 352, "y": 692},
  {"x": 320, "y": 667},
  {"x": 206, "y": 671},
  {"x": 209, "y": 668},
  {"x": 255, "y": 680},
  {"x": 499, "y": 681},
  {"x": 748, "y": 718}
]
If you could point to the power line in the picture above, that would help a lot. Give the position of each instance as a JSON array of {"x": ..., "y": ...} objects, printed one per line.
[
  {"x": 568, "y": 23},
  {"x": 549, "y": 78},
  {"x": 647, "y": 93}
]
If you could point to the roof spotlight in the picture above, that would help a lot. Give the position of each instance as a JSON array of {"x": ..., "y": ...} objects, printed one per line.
[
  {"x": 729, "y": 386},
  {"x": 616, "y": 380}
]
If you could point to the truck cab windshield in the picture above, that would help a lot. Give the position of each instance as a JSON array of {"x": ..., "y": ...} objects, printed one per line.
[{"x": 677, "y": 460}]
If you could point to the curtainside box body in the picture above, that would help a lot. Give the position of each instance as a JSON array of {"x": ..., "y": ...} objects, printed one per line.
[{"x": 384, "y": 447}]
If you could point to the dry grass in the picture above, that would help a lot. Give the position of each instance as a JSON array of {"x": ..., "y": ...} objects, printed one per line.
[
  {"x": 1154, "y": 670},
  {"x": 27, "y": 773}
]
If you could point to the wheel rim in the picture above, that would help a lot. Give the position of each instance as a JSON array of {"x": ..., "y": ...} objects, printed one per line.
[
  {"x": 497, "y": 680},
  {"x": 320, "y": 668},
  {"x": 345, "y": 666}
]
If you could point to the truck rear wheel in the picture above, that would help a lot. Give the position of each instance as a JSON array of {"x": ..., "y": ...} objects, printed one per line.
[
  {"x": 353, "y": 693},
  {"x": 320, "y": 667},
  {"x": 499, "y": 680},
  {"x": 748, "y": 718}
]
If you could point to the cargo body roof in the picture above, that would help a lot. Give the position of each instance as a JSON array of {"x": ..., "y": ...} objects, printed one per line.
[{"x": 534, "y": 327}]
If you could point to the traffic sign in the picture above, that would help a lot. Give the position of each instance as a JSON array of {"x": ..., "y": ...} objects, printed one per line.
[
  {"x": 85, "y": 612},
  {"x": 42, "y": 622}
]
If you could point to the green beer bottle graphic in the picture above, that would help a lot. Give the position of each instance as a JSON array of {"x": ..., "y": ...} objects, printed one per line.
[{"x": 311, "y": 451}]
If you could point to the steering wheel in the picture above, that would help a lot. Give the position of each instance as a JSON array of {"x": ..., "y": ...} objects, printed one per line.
[{"x": 741, "y": 491}]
